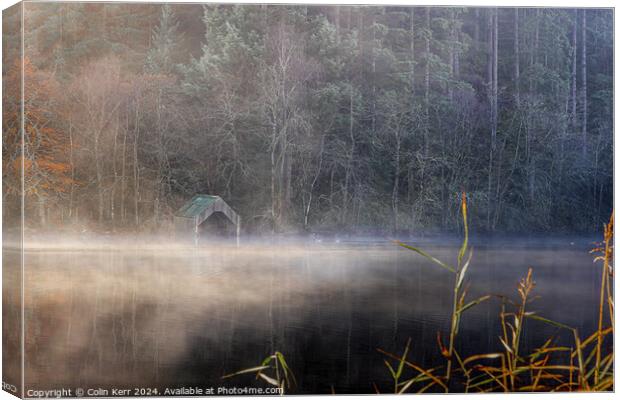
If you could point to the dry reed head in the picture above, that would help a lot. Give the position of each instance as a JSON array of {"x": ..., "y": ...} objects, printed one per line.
[{"x": 526, "y": 285}]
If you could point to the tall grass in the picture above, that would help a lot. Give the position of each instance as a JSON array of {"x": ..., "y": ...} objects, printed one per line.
[
  {"x": 459, "y": 306},
  {"x": 551, "y": 367}
]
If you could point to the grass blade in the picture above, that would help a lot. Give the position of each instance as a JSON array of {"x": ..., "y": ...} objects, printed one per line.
[
  {"x": 428, "y": 256},
  {"x": 392, "y": 372},
  {"x": 426, "y": 372},
  {"x": 482, "y": 356},
  {"x": 401, "y": 364},
  {"x": 548, "y": 321},
  {"x": 269, "y": 379},
  {"x": 474, "y": 303},
  {"x": 464, "y": 270}
]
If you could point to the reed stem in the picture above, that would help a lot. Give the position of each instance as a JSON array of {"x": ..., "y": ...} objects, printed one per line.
[{"x": 604, "y": 281}]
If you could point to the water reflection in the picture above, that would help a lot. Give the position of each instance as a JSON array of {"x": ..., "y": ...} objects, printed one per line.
[{"x": 173, "y": 317}]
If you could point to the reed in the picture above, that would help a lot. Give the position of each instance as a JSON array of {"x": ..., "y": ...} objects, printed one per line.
[
  {"x": 459, "y": 292},
  {"x": 550, "y": 367},
  {"x": 281, "y": 375}
]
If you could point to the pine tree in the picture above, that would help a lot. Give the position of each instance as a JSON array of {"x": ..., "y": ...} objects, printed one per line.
[{"x": 166, "y": 39}]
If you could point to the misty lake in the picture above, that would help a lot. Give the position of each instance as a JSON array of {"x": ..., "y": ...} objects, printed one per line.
[{"x": 162, "y": 317}]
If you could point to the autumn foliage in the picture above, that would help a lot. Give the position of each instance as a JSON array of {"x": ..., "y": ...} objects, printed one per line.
[{"x": 44, "y": 152}]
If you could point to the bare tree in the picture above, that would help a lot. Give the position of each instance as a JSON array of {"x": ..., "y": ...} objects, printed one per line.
[
  {"x": 96, "y": 94},
  {"x": 281, "y": 85}
]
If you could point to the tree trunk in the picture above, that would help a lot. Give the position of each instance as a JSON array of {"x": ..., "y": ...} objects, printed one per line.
[
  {"x": 495, "y": 92},
  {"x": 477, "y": 29},
  {"x": 573, "y": 114},
  {"x": 396, "y": 181},
  {"x": 492, "y": 90},
  {"x": 374, "y": 73},
  {"x": 584, "y": 86},
  {"x": 331, "y": 187},
  {"x": 534, "y": 49},
  {"x": 136, "y": 174},
  {"x": 516, "y": 50},
  {"x": 454, "y": 48},
  {"x": 72, "y": 163},
  {"x": 314, "y": 182},
  {"x": 41, "y": 203},
  {"x": 287, "y": 185},
  {"x": 123, "y": 177},
  {"x": 349, "y": 165},
  {"x": 115, "y": 172},
  {"x": 411, "y": 54},
  {"x": 337, "y": 18},
  {"x": 273, "y": 178},
  {"x": 427, "y": 80},
  {"x": 457, "y": 53},
  {"x": 451, "y": 55},
  {"x": 99, "y": 175},
  {"x": 427, "y": 67}
]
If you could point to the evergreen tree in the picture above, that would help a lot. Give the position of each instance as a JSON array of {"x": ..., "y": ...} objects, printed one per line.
[{"x": 165, "y": 43}]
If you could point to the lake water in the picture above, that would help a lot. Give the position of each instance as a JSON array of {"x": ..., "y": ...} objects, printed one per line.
[{"x": 170, "y": 317}]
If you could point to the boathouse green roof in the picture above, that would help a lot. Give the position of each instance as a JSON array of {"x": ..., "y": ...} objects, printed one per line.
[{"x": 196, "y": 205}]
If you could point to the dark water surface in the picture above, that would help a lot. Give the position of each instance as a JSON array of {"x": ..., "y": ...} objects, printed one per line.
[{"x": 171, "y": 317}]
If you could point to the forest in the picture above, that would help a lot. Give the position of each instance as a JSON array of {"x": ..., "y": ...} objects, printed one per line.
[{"x": 358, "y": 119}]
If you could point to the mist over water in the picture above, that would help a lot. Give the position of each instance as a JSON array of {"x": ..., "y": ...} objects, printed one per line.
[{"x": 146, "y": 314}]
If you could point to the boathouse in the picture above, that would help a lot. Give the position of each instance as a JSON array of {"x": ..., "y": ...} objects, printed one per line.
[{"x": 189, "y": 218}]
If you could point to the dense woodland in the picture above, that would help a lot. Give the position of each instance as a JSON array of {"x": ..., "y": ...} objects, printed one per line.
[{"x": 312, "y": 118}]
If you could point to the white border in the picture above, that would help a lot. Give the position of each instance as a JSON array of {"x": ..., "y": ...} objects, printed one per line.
[{"x": 479, "y": 3}]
